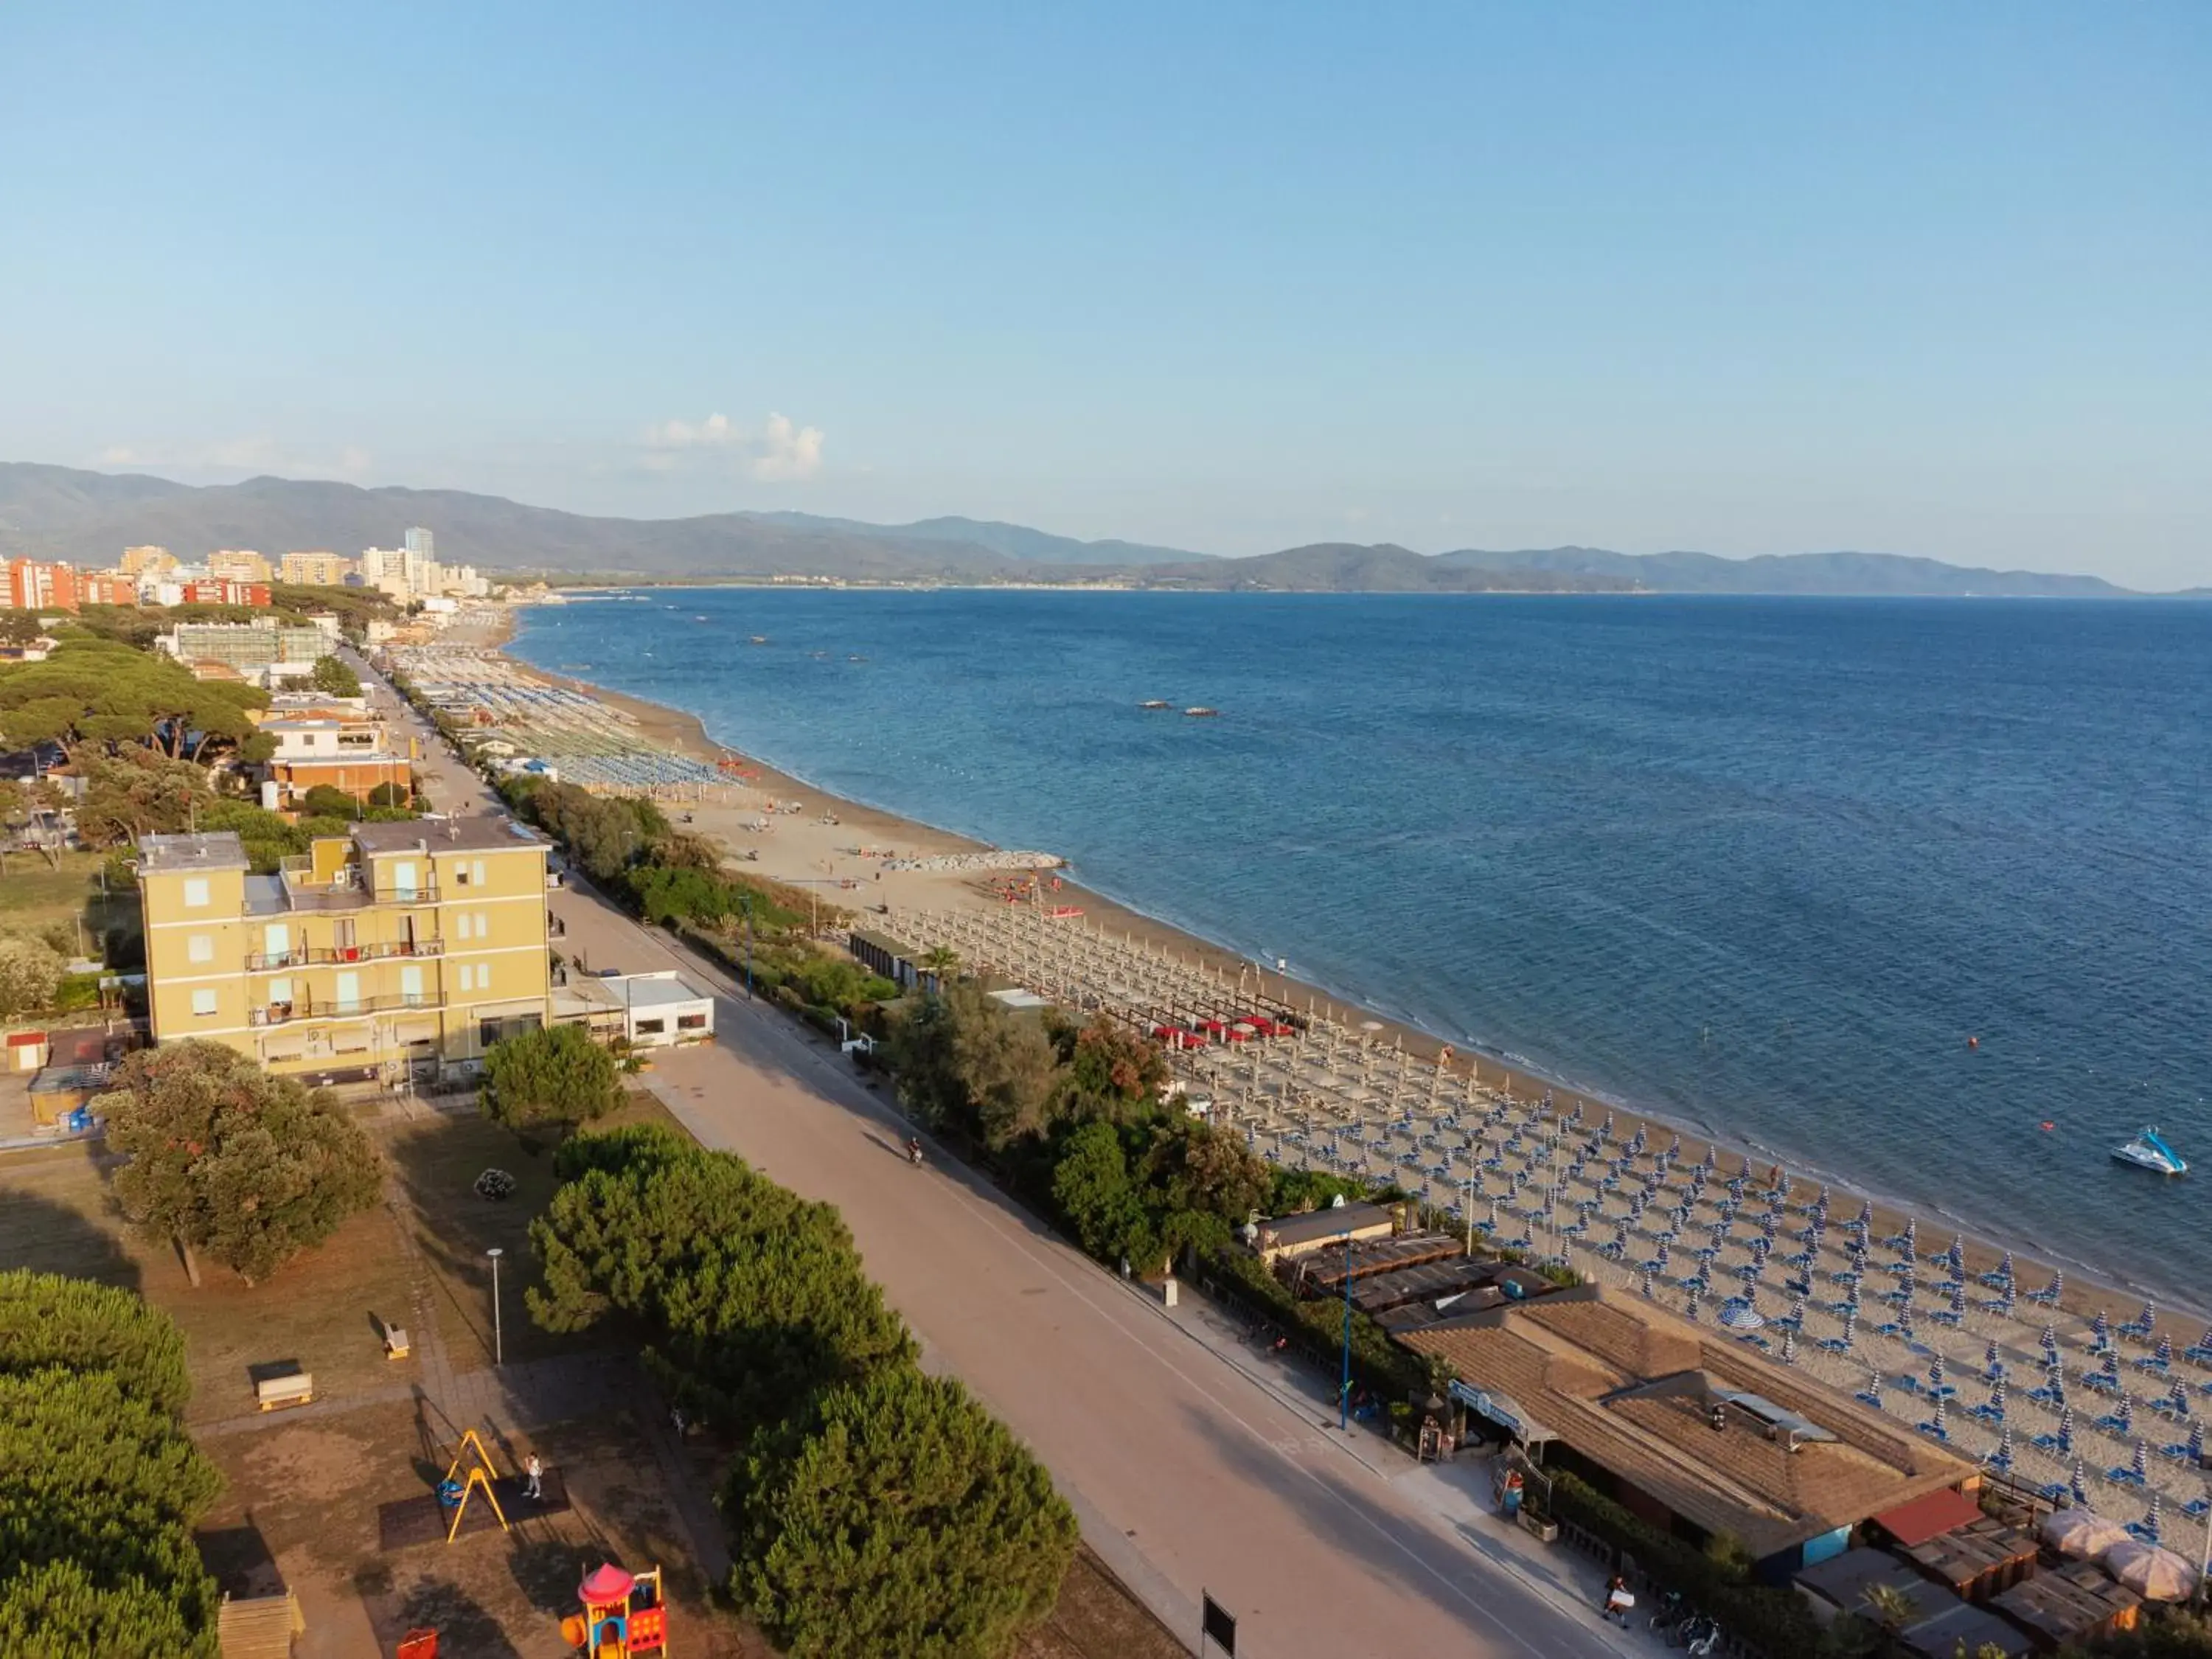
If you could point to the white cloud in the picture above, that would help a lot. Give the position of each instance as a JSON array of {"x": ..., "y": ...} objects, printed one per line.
[
  {"x": 241, "y": 456},
  {"x": 778, "y": 450}
]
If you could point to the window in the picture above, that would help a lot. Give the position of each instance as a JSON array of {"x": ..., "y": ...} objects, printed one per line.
[
  {"x": 280, "y": 988},
  {"x": 483, "y": 924},
  {"x": 196, "y": 892},
  {"x": 483, "y": 976},
  {"x": 203, "y": 1003},
  {"x": 475, "y": 873},
  {"x": 410, "y": 985},
  {"x": 461, "y": 874},
  {"x": 200, "y": 947},
  {"x": 690, "y": 1021},
  {"x": 652, "y": 1027}
]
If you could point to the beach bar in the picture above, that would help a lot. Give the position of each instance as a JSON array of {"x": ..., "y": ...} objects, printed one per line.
[{"x": 1694, "y": 1432}]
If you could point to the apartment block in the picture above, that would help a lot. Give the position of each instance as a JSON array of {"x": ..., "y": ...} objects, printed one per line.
[
  {"x": 317, "y": 569},
  {"x": 397, "y": 950},
  {"x": 237, "y": 565},
  {"x": 259, "y": 650},
  {"x": 107, "y": 587},
  {"x": 41, "y": 585},
  {"x": 147, "y": 560},
  {"x": 224, "y": 591}
]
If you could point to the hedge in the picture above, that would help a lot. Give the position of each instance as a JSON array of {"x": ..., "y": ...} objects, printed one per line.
[{"x": 1774, "y": 1621}]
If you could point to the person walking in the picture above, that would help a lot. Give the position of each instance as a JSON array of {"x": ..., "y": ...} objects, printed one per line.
[{"x": 533, "y": 1474}]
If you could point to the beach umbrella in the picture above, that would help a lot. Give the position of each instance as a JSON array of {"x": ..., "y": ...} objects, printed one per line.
[
  {"x": 2139, "y": 1464},
  {"x": 1935, "y": 1425},
  {"x": 1935, "y": 1371},
  {"x": 1912, "y": 1234},
  {"x": 2147, "y": 1318},
  {"x": 1871, "y": 1395},
  {"x": 2196, "y": 1440},
  {"x": 2074, "y": 1484},
  {"x": 1959, "y": 1300},
  {"x": 2100, "y": 1332},
  {"x": 2124, "y": 1418},
  {"x": 1741, "y": 1313},
  {"x": 1866, "y": 1214},
  {"x": 2050, "y": 1342},
  {"x": 1997, "y": 1398},
  {"x": 1789, "y": 1348},
  {"x": 2149, "y": 1534},
  {"x": 2163, "y": 1357},
  {"x": 2154, "y": 1574},
  {"x": 2083, "y": 1533},
  {"x": 1992, "y": 1367},
  {"x": 1689, "y": 1309},
  {"x": 2064, "y": 1443},
  {"x": 1956, "y": 1255},
  {"x": 2005, "y": 1269},
  {"x": 2001, "y": 1459},
  {"x": 2177, "y": 1399},
  {"x": 2202, "y": 1349},
  {"x": 1647, "y": 1284}
]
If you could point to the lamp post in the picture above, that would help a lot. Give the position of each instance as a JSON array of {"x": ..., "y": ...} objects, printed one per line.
[
  {"x": 1344, "y": 1388},
  {"x": 498, "y": 1336},
  {"x": 1467, "y": 1209},
  {"x": 745, "y": 904}
]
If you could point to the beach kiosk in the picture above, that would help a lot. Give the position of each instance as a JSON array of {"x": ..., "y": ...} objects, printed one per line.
[{"x": 624, "y": 1614}]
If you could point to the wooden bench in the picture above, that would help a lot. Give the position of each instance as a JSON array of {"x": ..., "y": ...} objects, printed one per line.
[
  {"x": 395, "y": 1342},
  {"x": 272, "y": 1393}
]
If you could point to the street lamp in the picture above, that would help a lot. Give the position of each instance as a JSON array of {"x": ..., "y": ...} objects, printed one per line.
[
  {"x": 745, "y": 904},
  {"x": 498, "y": 1336},
  {"x": 1467, "y": 1209}
]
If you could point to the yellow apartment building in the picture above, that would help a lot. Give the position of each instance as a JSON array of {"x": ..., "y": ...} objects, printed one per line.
[{"x": 397, "y": 950}]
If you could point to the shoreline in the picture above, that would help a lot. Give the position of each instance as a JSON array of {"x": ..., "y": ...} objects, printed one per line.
[{"x": 2090, "y": 1285}]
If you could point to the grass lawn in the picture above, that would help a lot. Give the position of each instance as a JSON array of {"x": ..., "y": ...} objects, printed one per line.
[
  {"x": 436, "y": 1162},
  {"x": 34, "y": 897},
  {"x": 321, "y": 1312}
]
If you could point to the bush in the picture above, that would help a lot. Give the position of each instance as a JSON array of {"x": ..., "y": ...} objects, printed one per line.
[
  {"x": 1387, "y": 1368},
  {"x": 1775, "y": 1621},
  {"x": 325, "y": 801},
  {"x": 30, "y": 975},
  {"x": 900, "y": 1518}
]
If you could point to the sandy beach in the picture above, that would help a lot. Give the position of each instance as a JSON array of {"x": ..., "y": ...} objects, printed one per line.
[{"x": 1331, "y": 1098}]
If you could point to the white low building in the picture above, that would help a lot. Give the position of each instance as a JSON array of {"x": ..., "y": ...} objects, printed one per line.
[{"x": 652, "y": 1010}]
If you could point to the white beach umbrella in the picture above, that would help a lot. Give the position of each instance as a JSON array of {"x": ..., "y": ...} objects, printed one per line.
[
  {"x": 2154, "y": 1574},
  {"x": 2083, "y": 1533}
]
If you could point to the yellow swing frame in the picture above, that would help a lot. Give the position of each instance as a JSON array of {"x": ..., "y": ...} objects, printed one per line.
[{"x": 480, "y": 1476}]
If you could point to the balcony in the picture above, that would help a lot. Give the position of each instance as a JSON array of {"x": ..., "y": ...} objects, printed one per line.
[
  {"x": 264, "y": 962},
  {"x": 306, "y": 1008}
]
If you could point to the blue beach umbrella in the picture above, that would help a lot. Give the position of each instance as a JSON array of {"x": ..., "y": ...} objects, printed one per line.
[
  {"x": 2100, "y": 1332},
  {"x": 2075, "y": 1488},
  {"x": 2001, "y": 1459},
  {"x": 2051, "y": 1343},
  {"x": 1992, "y": 1367}
]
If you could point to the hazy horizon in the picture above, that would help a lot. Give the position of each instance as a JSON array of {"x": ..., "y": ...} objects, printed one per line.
[{"x": 1716, "y": 278}]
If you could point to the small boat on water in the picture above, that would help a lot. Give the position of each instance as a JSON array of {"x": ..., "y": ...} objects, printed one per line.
[
  {"x": 1153, "y": 703},
  {"x": 2148, "y": 1151},
  {"x": 756, "y": 638},
  {"x": 1202, "y": 713}
]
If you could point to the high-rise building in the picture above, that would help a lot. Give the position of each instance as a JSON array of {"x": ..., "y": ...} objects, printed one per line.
[
  {"x": 316, "y": 570},
  {"x": 41, "y": 585},
  {"x": 238, "y": 565},
  {"x": 395, "y": 948},
  {"x": 421, "y": 544}
]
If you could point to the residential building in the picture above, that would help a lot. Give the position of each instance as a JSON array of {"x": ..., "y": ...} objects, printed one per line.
[
  {"x": 107, "y": 587},
  {"x": 348, "y": 753},
  {"x": 422, "y": 545},
  {"x": 397, "y": 950},
  {"x": 316, "y": 568},
  {"x": 238, "y": 565},
  {"x": 41, "y": 585},
  {"x": 253, "y": 648},
  {"x": 223, "y": 591},
  {"x": 147, "y": 560}
]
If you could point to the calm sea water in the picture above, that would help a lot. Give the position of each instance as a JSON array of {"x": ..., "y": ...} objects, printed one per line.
[{"x": 1760, "y": 866}]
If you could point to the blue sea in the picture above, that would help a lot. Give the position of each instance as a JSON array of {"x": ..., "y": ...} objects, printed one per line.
[{"x": 1762, "y": 866}]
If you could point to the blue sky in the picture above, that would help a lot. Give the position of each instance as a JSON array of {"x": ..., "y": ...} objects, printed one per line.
[{"x": 1746, "y": 278}]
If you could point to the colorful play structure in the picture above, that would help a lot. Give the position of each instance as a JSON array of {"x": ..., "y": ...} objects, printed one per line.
[
  {"x": 624, "y": 1614},
  {"x": 454, "y": 1490}
]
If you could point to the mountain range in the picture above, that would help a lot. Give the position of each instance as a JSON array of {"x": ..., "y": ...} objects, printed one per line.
[{"x": 89, "y": 518}]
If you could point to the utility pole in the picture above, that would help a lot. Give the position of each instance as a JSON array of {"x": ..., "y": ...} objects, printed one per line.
[{"x": 1343, "y": 1388}]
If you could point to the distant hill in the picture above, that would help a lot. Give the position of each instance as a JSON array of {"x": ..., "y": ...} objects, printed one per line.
[
  {"x": 55, "y": 512},
  {"x": 1822, "y": 573},
  {"x": 1014, "y": 541}
]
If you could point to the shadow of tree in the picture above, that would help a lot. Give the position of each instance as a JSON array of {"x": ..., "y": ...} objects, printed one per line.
[{"x": 53, "y": 1238}]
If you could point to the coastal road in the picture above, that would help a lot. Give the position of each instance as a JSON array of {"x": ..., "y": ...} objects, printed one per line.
[{"x": 1187, "y": 1473}]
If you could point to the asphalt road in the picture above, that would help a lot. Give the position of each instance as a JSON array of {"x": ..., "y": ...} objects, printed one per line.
[{"x": 1187, "y": 1474}]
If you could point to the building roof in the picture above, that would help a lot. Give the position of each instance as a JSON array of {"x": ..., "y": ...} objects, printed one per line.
[
  {"x": 219, "y": 849},
  {"x": 1631, "y": 1388},
  {"x": 658, "y": 990},
  {"x": 1927, "y": 1517},
  {"x": 1292, "y": 1230},
  {"x": 476, "y": 834}
]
